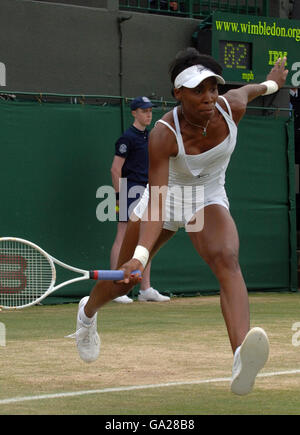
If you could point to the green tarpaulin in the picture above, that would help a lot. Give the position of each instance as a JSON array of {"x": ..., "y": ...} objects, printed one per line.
[{"x": 55, "y": 156}]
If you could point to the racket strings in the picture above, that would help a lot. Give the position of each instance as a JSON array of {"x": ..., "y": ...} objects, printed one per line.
[{"x": 25, "y": 273}]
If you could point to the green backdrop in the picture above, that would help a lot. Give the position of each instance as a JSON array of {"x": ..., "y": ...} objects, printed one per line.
[{"x": 55, "y": 156}]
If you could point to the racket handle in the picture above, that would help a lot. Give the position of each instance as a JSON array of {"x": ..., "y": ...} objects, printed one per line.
[{"x": 110, "y": 275}]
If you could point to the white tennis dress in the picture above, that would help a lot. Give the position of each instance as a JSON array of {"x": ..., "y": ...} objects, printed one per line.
[{"x": 195, "y": 181}]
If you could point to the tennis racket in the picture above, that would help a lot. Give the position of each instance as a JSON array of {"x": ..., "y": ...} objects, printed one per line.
[{"x": 28, "y": 274}]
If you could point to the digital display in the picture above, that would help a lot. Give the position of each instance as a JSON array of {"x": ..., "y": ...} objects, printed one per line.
[
  {"x": 247, "y": 46},
  {"x": 235, "y": 55}
]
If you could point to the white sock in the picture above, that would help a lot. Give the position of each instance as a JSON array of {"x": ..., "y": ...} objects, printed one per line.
[
  {"x": 83, "y": 317},
  {"x": 237, "y": 350},
  {"x": 145, "y": 289}
]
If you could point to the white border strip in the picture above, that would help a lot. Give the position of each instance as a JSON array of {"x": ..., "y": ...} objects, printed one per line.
[{"x": 134, "y": 387}]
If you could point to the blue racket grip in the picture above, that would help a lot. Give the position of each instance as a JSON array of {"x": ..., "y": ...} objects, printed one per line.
[{"x": 110, "y": 275}]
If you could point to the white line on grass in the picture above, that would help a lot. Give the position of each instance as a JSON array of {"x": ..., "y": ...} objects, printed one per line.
[{"x": 135, "y": 387}]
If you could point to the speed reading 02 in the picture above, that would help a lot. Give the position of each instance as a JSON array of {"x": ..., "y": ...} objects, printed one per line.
[{"x": 235, "y": 54}]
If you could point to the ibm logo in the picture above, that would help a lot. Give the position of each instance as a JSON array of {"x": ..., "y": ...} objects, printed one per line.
[{"x": 2, "y": 74}]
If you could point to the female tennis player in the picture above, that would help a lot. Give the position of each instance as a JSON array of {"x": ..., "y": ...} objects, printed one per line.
[{"x": 191, "y": 147}]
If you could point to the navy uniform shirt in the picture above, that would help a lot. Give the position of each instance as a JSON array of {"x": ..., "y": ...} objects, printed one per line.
[
  {"x": 295, "y": 101},
  {"x": 133, "y": 146}
]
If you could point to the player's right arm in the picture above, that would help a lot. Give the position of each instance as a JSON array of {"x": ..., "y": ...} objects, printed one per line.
[
  {"x": 159, "y": 154},
  {"x": 162, "y": 145}
]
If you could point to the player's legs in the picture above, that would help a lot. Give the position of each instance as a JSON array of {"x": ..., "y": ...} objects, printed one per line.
[
  {"x": 86, "y": 335},
  {"x": 146, "y": 281},
  {"x": 114, "y": 255},
  {"x": 105, "y": 291},
  {"x": 115, "y": 250},
  {"x": 131, "y": 240},
  {"x": 148, "y": 293},
  {"x": 218, "y": 245}
]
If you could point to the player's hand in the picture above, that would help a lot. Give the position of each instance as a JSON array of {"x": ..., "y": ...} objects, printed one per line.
[
  {"x": 129, "y": 267},
  {"x": 279, "y": 73}
]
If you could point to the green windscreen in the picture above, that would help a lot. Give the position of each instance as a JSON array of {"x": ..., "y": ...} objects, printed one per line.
[{"x": 54, "y": 158}]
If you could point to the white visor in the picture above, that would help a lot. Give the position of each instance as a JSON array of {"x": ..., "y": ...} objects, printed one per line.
[{"x": 194, "y": 75}]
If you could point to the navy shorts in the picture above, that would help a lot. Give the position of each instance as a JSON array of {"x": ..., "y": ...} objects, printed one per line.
[{"x": 128, "y": 200}]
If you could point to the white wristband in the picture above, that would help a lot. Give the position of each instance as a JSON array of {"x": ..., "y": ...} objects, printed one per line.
[
  {"x": 142, "y": 254},
  {"x": 272, "y": 87}
]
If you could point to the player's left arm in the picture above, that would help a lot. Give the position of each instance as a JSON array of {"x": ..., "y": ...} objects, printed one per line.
[{"x": 239, "y": 98}]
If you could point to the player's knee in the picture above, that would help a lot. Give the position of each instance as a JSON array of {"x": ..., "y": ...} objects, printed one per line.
[{"x": 225, "y": 259}]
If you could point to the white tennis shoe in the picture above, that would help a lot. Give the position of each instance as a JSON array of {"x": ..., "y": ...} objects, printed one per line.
[
  {"x": 87, "y": 338},
  {"x": 123, "y": 300},
  {"x": 249, "y": 359},
  {"x": 152, "y": 295}
]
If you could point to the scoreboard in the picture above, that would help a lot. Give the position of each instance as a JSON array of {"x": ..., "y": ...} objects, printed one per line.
[
  {"x": 235, "y": 54},
  {"x": 248, "y": 46}
]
